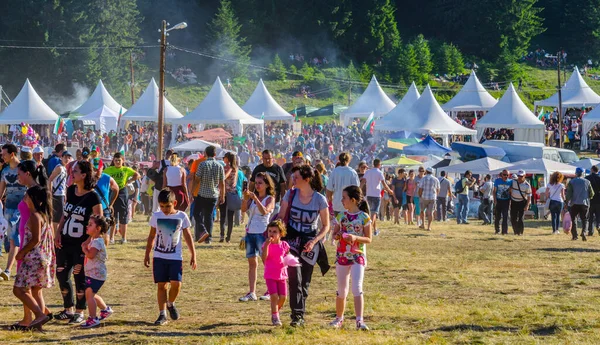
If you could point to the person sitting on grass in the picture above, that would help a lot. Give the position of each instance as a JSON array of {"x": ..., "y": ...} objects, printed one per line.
[
  {"x": 94, "y": 249},
  {"x": 274, "y": 250},
  {"x": 166, "y": 228},
  {"x": 353, "y": 232}
]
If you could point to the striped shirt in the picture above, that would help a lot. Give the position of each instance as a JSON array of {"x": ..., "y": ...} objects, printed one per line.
[{"x": 210, "y": 173}]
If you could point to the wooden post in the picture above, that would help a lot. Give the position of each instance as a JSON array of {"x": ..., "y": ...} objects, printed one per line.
[
  {"x": 132, "y": 77},
  {"x": 161, "y": 88},
  {"x": 560, "y": 114}
]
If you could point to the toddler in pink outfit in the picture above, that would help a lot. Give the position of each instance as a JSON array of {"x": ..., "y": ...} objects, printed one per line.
[{"x": 274, "y": 250}]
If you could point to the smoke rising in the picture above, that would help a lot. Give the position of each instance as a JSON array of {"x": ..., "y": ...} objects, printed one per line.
[{"x": 63, "y": 104}]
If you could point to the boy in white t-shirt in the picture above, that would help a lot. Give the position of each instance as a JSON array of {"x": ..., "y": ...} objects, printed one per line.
[{"x": 166, "y": 229}]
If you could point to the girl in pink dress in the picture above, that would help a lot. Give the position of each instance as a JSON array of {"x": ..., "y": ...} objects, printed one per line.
[
  {"x": 274, "y": 250},
  {"x": 38, "y": 263}
]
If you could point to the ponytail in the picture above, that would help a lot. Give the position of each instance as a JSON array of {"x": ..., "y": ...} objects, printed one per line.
[
  {"x": 42, "y": 177},
  {"x": 363, "y": 205}
]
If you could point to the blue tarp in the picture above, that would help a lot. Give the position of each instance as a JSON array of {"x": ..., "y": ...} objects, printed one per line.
[
  {"x": 473, "y": 151},
  {"x": 427, "y": 146}
]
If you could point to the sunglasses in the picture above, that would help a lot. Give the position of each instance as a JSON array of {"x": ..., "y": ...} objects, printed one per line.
[{"x": 505, "y": 175}]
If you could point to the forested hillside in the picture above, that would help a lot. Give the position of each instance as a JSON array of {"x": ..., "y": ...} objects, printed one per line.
[{"x": 321, "y": 42}]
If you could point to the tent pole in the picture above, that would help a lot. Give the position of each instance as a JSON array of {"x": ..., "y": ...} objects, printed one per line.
[{"x": 560, "y": 114}]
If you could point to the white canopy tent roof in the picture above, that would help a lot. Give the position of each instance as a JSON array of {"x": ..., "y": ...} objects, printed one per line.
[
  {"x": 472, "y": 97},
  {"x": 586, "y": 163},
  {"x": 219, "y": 108},
  {"x": 99, "y": 98},
  {"x": 196, "y": 145},
  {"x": 411, "y": 96},
  {"x": 146, "y": 107},
  {"x": 478, "y": 166},
  {"x": 539, "y": 166},
  {"x": 426, "y": 116},
  {"x": 104, "y": 118},
  {"x": 373, "y": 100},
  {"x": 575, "y": 93},
  {"x": 588, "y": 122},
  {"x": 28, "y": 107},
  {"x": 261, "y": 105},
  {"x": 510, "y": 112}
]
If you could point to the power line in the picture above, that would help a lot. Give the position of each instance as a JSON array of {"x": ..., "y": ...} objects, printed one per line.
[{"x": 75, "y": 47}]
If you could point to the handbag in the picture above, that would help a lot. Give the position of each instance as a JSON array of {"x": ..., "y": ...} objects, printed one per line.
[
  {"x": 234, "y": 202},
  {"x": 243, "y": 243},
  {"x": 547, "y": 203}
]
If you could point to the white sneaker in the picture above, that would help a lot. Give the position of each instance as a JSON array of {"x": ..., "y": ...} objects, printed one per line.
[
  {"x": 112, "y": 241},
  {"x": 123, "y": 241},
  {"x": 361, "y": 326},
  {"x": 336, "y": 323},
  {"x": 265, "y": 297},
  {"x": 5, "y": 275},
  {"x": 251, "y": 296}
]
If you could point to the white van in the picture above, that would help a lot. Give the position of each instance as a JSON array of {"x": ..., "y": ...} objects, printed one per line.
[{"x": 521, "y": 150}]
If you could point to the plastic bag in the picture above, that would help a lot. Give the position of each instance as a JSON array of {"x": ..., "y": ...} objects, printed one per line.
[
  {"x": 291, "y": 261},
  {"x": 567, "y": 223}
]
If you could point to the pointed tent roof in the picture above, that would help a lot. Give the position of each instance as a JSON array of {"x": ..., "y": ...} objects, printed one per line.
[
  {"x": 196, "y": 145},
  {"x": 262, "y": 105},
  {"x": 373, "y": 100},
  {"x": 411, "y": 96},
  {"x": 478, "y": 166},
  {"x": 575, "y": 93},
  {"x": 219, "y": 108},
  {"x": 510, "y": 112},
  {"x": 427, "y": 117},
  {"x": 146, "y": 107},
  {"x": 105, "y": 118},
  {"x": 402, "y": 160},
  {"x": 539, "y": 166},
  {"x": 427, "y": 146},
  {"x": 28, "y": 107},
  {"x": 472, "y": 97},
  {"x": 99, "y": 98}
]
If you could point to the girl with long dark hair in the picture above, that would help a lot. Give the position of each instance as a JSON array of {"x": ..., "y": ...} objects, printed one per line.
[{"x": 231, "y": 177}]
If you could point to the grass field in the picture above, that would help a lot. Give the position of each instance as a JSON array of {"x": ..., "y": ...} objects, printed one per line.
[{"x": 454, "y": 285}]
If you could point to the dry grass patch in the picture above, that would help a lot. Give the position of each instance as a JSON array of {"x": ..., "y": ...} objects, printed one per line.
[{"x": 457, "y": 284}]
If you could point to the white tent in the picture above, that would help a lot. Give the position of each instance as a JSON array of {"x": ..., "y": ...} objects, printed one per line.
[
  {"x": 539, "y": 166},
  {"x": 28, "y": 107},
  {"x": 373, "y": 100},
  {"x": 411, "y": 96},
  {"x": 146, "y": 107},
  {"x": 99, "y": 98},
  {"x": 575, "y": 93},
  {"x": 479, "y": 166},
  {"x": 510, "y": 112},
  {"x": 426, "y": 116},
  {"x": 586, "y": 163},
  {"x": 196, "y": 145},
  {"x": 219, "y": 108},
  {"x": 588, "y": 122},
  {"x": 261, "y": 105},
  {"x": 104, "y": 118},
  {"x": 472, "y": 97}
]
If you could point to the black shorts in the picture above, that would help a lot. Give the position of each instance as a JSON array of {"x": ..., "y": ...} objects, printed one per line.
[
  {"x": 120, "y": 207},
  {"x": 93, "y": 284},
  {"x": 58, "y": 202},
  {"x": 165, "y": 270},
  {"x": 409, "y": 200}
]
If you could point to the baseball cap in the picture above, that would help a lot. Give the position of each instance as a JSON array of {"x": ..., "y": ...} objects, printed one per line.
[
  {"x": 25, "y": 149},
  {"x": 579, "y": 171},
  {"x": 429, "y": 170},
  {"x": 521, "y": 172},
  {"x": 38, "y": 149},
  {"x": 67, "y": 153},
  {"x": 297, "y": 154}
]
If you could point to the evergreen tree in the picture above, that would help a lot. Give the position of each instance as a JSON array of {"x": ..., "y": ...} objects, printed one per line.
[
  {"x": 423, "y": 55},
  {"x": 508, "y": 67},
  {"x": 457, "y": 63},
  {"x": 226, "y": 43},
  {"x": 308, "y": 73},
  {"x": 352, "y": 72},
  {"x": 408, "y": 66},
  {"x": 582, "y": 21},
  {"x": 366, "y": 73},
  {"x": 277, "y": 69}
]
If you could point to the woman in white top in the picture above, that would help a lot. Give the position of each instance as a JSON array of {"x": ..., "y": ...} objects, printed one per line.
[
  {"x": 259, "y": 205},
  {"x": 58, "y": 188},
  {"x": 555, "y": 192},
  {"x": 175, "y": 179}
]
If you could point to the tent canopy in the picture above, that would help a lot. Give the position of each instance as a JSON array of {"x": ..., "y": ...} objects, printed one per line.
[
  {"x": 411, "y": 96},
  {"x": 219, "y": 108},
  {"x": 575, "y": 93},
  {"x": 28, "y": 107},
  {"x": 588, "y": 122},
  {"x": 427, "y": 146},
  {"x": 472, "y": 151},
  {"x": 99, "y": 98},
  {"x": 104, "y": 118},
  {"x": 472, "y": 97},
  {"x": 373, "y": 100},
  {"x": 196, "y": 145},
  {"x": 479, "y": 166},
  {"x": 539, "y": 166},
  {"x": 146, "y": 107},
  {"x": 510, "y": 112},
  {"x": 586, "y": 163},
  {"x": 331, "y": 109},
  {"x": 400, "y": 161},
  {"x": 261, "y": 105},
  {"x": 426, "y": 116},
  {"x": 210, "y": 134}
]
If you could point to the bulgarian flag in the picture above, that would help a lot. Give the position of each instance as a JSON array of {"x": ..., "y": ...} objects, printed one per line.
[
  {"x": 542, "y": 114},
  {"x": 59, "y": 125},
  {"x": 370, "y": 123},
  {"x": 119, "y": 118}
]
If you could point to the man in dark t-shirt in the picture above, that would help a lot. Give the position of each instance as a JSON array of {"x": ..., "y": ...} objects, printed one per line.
[{"x": 276, "y": 173}]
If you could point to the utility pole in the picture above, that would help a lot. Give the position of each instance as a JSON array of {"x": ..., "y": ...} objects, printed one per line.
[
  {"x": 161, "y": 88},
  {"x": 132, "y": 77},
  {"x": 560, "y": 115}
]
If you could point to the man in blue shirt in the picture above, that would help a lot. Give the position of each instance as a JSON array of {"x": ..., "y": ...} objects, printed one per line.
[
  {"x": 55, "y": 158},
  {"x": 502, "y": 201}
]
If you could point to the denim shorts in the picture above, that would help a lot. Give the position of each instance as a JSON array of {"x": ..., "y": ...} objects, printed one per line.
[
  {"x": 93, "y": 284},
  {"x": 254, "y": 244},
  {"x": 165, "y": 270},
  {"x": 374, "y": 203},
  {"x": 13, "y": 217}
]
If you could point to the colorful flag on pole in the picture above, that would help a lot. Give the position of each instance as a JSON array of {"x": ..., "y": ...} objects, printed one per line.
[
  {"x": 59, "y": 125},
  {"x": 119, "y": 120},
  {"x": 369, "y": 121}
]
